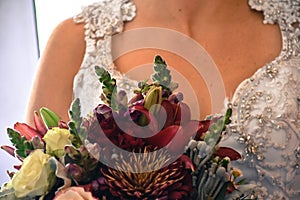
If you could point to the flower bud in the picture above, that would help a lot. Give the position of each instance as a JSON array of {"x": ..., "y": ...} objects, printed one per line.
[
  {"x": 37, "y": 143},
  {"x": 136, "y": 98},
  {"x": 8, "y": 149},
  {"x": 102, "y": 111},
  {"x": 50, "y": 118},
  {"x": 75, "y": 171},
  {"x": 72, "y": 152},
  {"x": 153, "y": 96}
]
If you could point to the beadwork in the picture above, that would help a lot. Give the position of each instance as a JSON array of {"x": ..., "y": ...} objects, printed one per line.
[{"x": 266, "y": 108}]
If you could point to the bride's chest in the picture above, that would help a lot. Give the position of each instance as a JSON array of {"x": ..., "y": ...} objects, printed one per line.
[{"x": 230, "y": 55}]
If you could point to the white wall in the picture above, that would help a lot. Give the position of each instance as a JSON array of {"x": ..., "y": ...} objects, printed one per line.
[
  {"x": 19, "y": 57},
  {"x": 52, "y": 12},
  {"x": 18, "y": 60}
]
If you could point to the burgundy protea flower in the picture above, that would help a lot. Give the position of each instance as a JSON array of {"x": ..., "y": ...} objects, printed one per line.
[
  {"x": 145, "y": 176},
  {"x": 105, "y": 124},
  {"x": 168, "y": 125}
]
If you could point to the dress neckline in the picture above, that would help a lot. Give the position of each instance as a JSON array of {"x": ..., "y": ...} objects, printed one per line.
[
  {"x": 258, "y": 6},
  {"x": 106, "y": 18}
]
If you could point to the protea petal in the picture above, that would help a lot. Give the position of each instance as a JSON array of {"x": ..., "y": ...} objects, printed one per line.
[
  {"x": 223, "y": 152},
  {"x": 174, "y": 137},
  {"x": 163, "y": 138},
  {"x": 188, "y": 164},
  {"x": 182, "y": 137},
  {"x": 39, "y": 124},
  {"x": 27, "y": 131},
  {"x": 202, "y": 129},
  {"x": 168, "y": 110},
  {"x": 143, "y": 117},
  {"x": 137, "y": 111},
  {"x": 183, "y": 114},
  {"x": 136, "y": 98},
  {"x": 175, "y": 195},
  {"x": 144, "y": 176}
]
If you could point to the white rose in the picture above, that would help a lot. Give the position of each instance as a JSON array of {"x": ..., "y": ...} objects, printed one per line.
[
  {"x": 56, "y": 139},
  {"x": 35, "y": 176}
]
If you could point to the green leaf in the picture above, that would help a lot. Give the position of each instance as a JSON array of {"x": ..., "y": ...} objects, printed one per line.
[
  {"x": 227, "y": 117},
  {"x": 162, "y": 75},
  {"x": 76, "y": 140},
  {"x": 215, "y": 131},
  {"x": 75, "y": 112},
  {"x": 23, "y": 147},
  {"x": 109, "y": 87},
  {"x": 78, "y": 132}
]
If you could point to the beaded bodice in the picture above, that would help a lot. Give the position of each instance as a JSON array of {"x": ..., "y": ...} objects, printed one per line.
[{"x": 265, "y": 126}]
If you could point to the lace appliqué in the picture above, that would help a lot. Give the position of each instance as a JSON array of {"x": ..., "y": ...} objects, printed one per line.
[
  {"x": 102, "y": 20},
  {"x": 286, "y": 14},
  {"x": 266, "y": 110}
]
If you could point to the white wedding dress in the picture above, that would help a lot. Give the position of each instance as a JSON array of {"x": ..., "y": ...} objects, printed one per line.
[{"x": 265, "y": 126}]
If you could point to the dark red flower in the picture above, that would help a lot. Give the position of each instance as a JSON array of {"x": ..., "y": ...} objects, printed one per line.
[
  {"x": 169, "y": 182},
  {"x": 223, "y": 152}
]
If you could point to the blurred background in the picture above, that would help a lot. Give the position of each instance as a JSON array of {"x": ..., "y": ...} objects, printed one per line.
[{"x": 25, "y": 28}]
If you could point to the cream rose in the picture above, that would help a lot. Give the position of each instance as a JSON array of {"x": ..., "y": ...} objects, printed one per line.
[
  {"x": 56, "y": 139},
  {"x": 35, "y": 176},
  {"x": 74, "y": 193}
]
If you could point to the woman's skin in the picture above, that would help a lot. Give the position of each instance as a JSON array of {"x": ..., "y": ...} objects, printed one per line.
[{"x": 232, "y": 33}]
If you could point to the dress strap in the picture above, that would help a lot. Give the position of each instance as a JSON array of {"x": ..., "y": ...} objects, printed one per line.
[
  {"x": 286, "y": 13},
  {"x": 105, "y": 17},
  {"x": 102, "y": 20}
]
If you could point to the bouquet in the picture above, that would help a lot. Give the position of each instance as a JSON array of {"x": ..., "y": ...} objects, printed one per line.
[{"x": 147, "y": 147}]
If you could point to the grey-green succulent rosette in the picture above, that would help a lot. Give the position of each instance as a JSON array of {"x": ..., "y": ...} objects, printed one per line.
[{"x": 167, "y": 155}]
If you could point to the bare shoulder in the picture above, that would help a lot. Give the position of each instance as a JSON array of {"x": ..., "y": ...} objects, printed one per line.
[
  {"x": 68, "y": 35},
  {"x": 66, "y": 45},
  {"x": 59, "y": 63},
  {"x": 69, "y": 30}
]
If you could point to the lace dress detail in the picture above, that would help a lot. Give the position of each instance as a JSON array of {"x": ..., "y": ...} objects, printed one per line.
[
  {"x": 265, "y": 126},
  {"x": 102, "y": 20}
]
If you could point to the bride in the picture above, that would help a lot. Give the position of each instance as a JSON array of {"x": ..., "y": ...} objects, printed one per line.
[{"x": 254, "y": 46}]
